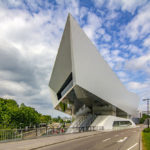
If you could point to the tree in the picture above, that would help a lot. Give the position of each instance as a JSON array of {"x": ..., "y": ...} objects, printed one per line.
[
  {"x": 14, "y": 116},
  {"x": 144, "y": 116},
  {"x": 45, "y": 119},
  {"x": 28, "y": 116},
  {"x": 8, "y": 113}
]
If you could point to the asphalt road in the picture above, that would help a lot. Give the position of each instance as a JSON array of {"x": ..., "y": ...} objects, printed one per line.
[{"x": 128, "y": 139}]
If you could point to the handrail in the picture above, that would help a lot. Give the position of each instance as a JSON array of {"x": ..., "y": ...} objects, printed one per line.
[{"x": 7, "y": 135}]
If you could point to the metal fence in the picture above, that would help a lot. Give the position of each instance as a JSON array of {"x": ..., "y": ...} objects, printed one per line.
[
  {"x": 20, "y": 134},
  {"x": 8, "y": 135}
]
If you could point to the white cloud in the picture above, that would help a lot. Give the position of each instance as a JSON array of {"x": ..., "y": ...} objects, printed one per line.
[
  {"x": 115, "y": 52},
  {"x": 94, "y": 22},
  {"x": 98, "y": 3},
  {"x": 12, "y": 87},
  {"x": 147, "y": 42},
  {"x": 101, "y": 31},
  {"x": 30, "y": 36},
  {"x": 142, "y": 88},
  {"x": 140, "y": 24},
  {"x": 123, "y": 76},
  {"x": 111, "y": 15},
  {"x": 28, "y": 46},
  {"x": 136, "y": 85},
  {"x": 105, "y": 52},
  {"x": 112, "y": 57},
  {"x": 139, "y": 63},
  {"x": 106, "y": 37},
  {"x": 83, "y": 12},
  {"x": 126, "y": 5},
  {"x": 134, "y": 49}
]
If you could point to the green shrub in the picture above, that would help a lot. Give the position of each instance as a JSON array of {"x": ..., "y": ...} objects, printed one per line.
[
  {"x": 146, "y": 140},
  {"x": 146, "y": 130}
]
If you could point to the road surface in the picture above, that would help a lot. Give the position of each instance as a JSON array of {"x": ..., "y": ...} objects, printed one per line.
[{"x": 128, "y": 139}]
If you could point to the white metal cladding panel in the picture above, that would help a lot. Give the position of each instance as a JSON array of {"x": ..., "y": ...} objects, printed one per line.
[
  {"x": 94, "y": 74},
  {"x": 54, "y": 98},
  {"x": 63, "y": 65}
]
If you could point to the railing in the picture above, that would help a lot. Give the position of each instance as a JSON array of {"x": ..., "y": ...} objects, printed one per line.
[
  {"x": 80, "y": 121},
  {"x": 18, "y": 134},
  {"x": 8, "y": 135}
]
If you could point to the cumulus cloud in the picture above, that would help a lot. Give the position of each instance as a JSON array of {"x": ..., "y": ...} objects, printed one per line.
[
  {"x": 28, "y": 46},
  {"x": 143, "y": 91},
  {"x": 140, "y": 25},
  {"x": 140, "y": 63},
  {"x": 147, "y": 42},
  {"x": 98, "y": 3},
  {"x": 134, "y": 49},
  {"x": 94, "y": 22},
  {"x": 123, "y": 76},
  {"x": 112, "y": 57},
  {"x": 137, "y": 85},
  {"x": 106, "y": 37},
  {"x": 31, "y": 32},
  {"x": 124, "y": 5}
]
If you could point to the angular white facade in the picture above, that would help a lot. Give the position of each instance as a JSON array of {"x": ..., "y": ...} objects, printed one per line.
[{"x": 81, "y": 78}]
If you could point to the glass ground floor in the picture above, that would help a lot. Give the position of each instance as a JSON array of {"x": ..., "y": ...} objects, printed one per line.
[{"x": 78, "y": 101}]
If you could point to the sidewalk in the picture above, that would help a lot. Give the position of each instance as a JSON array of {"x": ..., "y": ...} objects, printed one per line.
[{"x": 40, "y": 142}]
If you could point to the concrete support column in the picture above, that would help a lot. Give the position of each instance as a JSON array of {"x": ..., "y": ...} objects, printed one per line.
[{"x": 113, "y": 110}]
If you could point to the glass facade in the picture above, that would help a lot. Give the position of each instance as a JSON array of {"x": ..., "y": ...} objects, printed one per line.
[
  {"x": 121, "y": 123},
  {"x": 65, "y": 87}
]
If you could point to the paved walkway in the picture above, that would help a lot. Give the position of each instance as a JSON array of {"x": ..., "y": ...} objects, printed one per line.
[{"x": 41, "y": 142}]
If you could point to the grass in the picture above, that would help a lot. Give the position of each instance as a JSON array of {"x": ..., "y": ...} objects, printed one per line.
[{"x": 146, "y": 139}]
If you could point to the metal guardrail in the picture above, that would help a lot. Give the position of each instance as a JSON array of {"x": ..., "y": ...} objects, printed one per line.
[{"x": 20, "y": 134}]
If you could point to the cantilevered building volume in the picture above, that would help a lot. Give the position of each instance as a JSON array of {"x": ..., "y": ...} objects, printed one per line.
[{"x": 83, "y": 85}]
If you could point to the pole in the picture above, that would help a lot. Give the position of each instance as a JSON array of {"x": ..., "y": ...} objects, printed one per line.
[
  {"x": 148, "y": 112},
  {"x": 46, "y": 129},
  {"x": 148, "y": 107}
]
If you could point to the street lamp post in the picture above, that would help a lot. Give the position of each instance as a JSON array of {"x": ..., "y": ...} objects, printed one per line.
[{"x": 147, "y": 99}]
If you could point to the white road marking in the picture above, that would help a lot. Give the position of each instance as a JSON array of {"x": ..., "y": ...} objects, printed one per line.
[
  {"x": 122, "y": 140},
  {"x": 132, "y": 146},
  {"x": 106, "y": 139}
]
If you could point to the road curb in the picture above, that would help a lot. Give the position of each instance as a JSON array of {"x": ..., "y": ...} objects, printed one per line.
[
  {"x": 140, "y": 141},
  {"x": 65, "y": 141}
]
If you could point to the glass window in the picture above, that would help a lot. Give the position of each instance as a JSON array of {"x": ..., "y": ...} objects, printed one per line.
[
  {"x": 65, "y": 87},
  {"x": 121, "y": 123}
]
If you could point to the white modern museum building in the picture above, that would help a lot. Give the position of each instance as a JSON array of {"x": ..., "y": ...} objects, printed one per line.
[{"x": 83, "y": 85}]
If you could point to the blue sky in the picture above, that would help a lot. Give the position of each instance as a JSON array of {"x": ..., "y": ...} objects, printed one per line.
[{"x": 30, "y": 35}]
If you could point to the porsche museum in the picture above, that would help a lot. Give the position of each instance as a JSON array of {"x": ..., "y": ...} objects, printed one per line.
[{"x": 83, "y": 85}]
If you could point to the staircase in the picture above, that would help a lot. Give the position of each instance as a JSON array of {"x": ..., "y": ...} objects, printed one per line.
[
  {"x": 76, "y": 124},
  {"x": 81, "y": 123}
]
